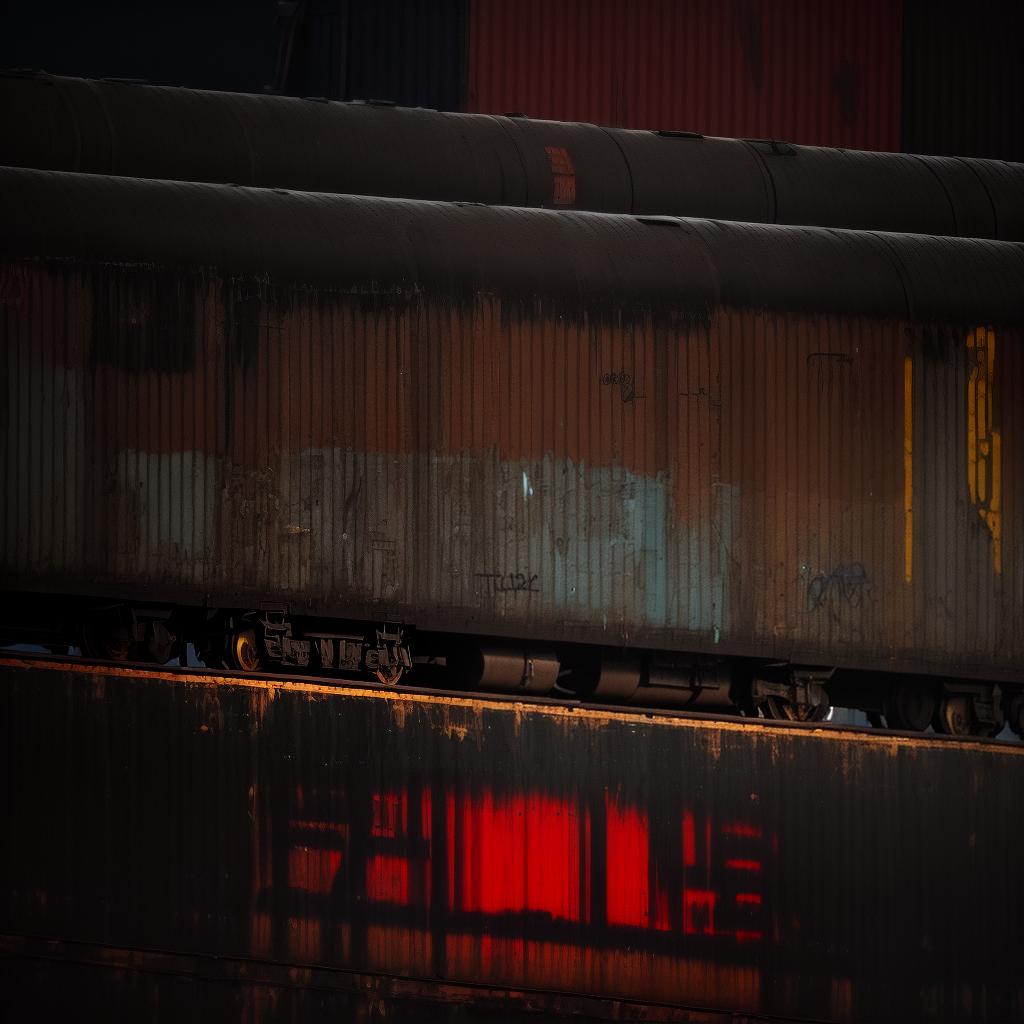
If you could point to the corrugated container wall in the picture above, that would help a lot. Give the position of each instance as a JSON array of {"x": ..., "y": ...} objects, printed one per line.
[
  {"x": 771, "y": 873},
  {"x": 809, "y": 72},
  {"x": 963, "y": 79}
]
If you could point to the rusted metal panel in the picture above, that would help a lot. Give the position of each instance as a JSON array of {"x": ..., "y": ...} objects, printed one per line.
[
  {"x": 161, "y": 986},
  {"x": 736, "y": 439},
  {"x": 372, "y": 149},
  {"x": 819, "y": 74},
  {"x": 780, "y": 872}
]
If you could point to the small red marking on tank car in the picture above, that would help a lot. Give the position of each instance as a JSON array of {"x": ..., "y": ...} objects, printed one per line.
[
  {"x": 563, "y": 176},
  {"x": 748, "y": 935},
  {"x": 749, "y": 898}
]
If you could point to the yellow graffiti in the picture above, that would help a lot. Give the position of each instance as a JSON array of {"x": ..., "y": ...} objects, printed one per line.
[
  {"x": 908, "y": 469},
  {"x": 984, "y": 447}
]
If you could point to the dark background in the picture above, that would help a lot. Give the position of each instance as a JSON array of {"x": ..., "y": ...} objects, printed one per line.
[{"x": 943, "y": 78}]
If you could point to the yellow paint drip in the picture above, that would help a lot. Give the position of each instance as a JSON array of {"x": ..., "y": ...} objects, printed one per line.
[
  {"x": 908, "y": 469},
  {"x": 984, "y": 442}
]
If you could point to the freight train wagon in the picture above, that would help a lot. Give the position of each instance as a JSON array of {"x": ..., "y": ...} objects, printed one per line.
[
  {"x": 73, "y": 124},
  {"x": 639, "y": 459},
  {"x": 182, "y": 847}
]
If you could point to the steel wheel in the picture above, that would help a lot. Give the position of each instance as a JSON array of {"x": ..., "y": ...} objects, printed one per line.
[
  {"x": 783, "y": 710},
  {"x": 954, "y": 716},
  {"x": 243, "y": 652},
  {"x": 105, "y": 642},
  {"x": 910, "y": 705}
]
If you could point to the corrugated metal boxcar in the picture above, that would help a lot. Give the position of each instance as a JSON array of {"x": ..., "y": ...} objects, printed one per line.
[
  {"x": 70, "y": 124},
  {"x": 790, "y": 444},
  {"x": 264, "y": 848}
]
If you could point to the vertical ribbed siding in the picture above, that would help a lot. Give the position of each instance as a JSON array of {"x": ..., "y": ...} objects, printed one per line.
[
  {"x": 406, "y": 51},
  {"x": 963, "y": 80},
  {"x": 738, "y": 485},
  {"x": 813, "y": 73},
  {"x": 496, "y": 846}
]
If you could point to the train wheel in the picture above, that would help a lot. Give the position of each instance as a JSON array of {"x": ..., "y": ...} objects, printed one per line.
[
  {"x": 106, "y": 641},
  {"x": 953, "y": 716},
  {"x": 911, "y": 705},
  {"x": 243, "y": 653},
  {"x": 957, "y": 715},
  {"x": 780, "y": 709}
]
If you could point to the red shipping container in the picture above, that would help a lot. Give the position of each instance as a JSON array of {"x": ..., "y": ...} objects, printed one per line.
[{"x": 805, "y": 71}]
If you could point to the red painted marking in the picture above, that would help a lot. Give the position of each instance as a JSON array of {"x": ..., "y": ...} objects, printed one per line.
[
  {"x": 699, "y": 911},
  {"x": 449, "y": 821},
  {"x": 563, "y": 176},
  {"x": 738, "y": 864},
  {"x": 523, "y": 853},
  {"x": 689, "y": 840},
  {"x": 517, "y": 853},
  {"x": 740, "y": 828},
  {"x": 312, "y": 870},
  {"x": 425, "y": 812},
  {"x": 627, "y": 858},
  {"x": 390, "y": 815},
  {"x": 387, "y": 879},
  {"x": 586, "y": 866},
  {"x": 662, "y": 920}
]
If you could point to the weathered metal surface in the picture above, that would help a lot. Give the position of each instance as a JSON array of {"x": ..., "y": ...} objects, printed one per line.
[
  {"x": 819, "y": 74},
  {"x": 790, "y": 873},
  {"x": 366, "y": 149},
  {"x": 157, "y": 986},
  {"x": 740, "y": 439}
]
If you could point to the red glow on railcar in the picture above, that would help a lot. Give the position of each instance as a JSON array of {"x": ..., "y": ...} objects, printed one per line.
[
  {"x": 742, "y": 864},
  {"x": 542, "y": 858},
  {"x": 516, "y": 853},
  {"x": 387, "y": 879},
  {"x": 627, "y": 847}
]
